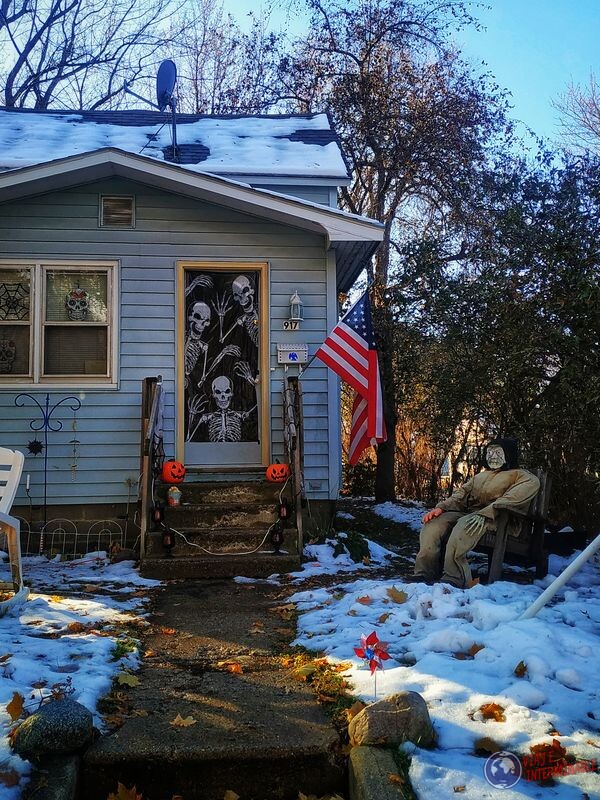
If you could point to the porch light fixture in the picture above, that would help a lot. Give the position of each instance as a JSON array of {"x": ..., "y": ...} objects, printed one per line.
[{"x": 296, "y": 306}]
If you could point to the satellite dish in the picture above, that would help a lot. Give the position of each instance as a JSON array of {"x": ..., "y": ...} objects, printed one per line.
[{"x": 166, "y": 78}]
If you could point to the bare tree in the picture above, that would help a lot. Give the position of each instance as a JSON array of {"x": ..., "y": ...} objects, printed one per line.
[
  {"x": 580, "y": 110},
  {"x": 415, "y": 125},
  {"x": 222, "y": 69},
  {"x": 77, "y": 53}
]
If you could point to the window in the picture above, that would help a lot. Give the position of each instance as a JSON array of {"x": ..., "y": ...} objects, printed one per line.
[
  {"x": 57, "y": 323},
  {"x": 116, "y": 211}
]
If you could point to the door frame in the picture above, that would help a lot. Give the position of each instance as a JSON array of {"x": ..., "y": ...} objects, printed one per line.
[{"x": 264, "y": 384}]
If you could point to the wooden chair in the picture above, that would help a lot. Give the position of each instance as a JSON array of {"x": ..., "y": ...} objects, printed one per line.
[
  {"x": 11, "y": 467},
  {"x": 529, "y": 544}
]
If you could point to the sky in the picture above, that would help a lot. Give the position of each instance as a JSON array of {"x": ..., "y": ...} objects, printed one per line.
[{"x": 534, "y": 48}]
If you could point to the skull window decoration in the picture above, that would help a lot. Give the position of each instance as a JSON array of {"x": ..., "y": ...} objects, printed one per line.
[
  {"x": 8, "y": 353},
  {"x": 77, "y": 303}
]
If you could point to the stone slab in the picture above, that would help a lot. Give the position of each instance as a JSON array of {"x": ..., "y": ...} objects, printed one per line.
[{"x": 369, "y": 771}]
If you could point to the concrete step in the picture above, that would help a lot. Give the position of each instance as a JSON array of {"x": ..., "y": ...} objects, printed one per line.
[
  {"x": 221, "y": 515},
  {"x": 258, "y": 565},
  {"x": 217, "y": 541},
  {"x": 225, "y": 492},
  {"x": 257, "y": 732}
]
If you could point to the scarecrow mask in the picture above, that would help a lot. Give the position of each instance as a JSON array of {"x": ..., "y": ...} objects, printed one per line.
[{"x": 502, "y": 454}]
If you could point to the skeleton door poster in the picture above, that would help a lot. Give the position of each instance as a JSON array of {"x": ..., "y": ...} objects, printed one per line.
[{"x": 220, "y": 367}]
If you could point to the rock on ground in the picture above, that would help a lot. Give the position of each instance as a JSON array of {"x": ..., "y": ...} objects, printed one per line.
[
  {"x": 394, "y": 719},
  {"x": 58, "y": 727}
]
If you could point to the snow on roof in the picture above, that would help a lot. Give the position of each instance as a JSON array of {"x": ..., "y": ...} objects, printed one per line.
[{"x": 293, "y": 145}]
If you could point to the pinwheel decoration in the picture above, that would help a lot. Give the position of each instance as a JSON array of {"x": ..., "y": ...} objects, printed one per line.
[{"x": 373, "y": 652}]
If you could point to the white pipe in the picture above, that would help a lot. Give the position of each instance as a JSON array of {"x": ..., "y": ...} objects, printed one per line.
[{"x": 565, "y": 575}]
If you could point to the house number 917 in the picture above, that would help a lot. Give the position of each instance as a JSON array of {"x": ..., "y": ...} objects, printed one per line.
[{"x": 291, "y": 325}]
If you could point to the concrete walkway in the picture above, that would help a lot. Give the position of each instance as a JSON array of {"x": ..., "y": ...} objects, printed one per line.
[{"x": 258, "y": 731}]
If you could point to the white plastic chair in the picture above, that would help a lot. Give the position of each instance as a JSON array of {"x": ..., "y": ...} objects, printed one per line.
[{"x": 11, "y": 467}]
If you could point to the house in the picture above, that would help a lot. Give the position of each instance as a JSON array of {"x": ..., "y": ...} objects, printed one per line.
[{"x": 116, "y": 263}]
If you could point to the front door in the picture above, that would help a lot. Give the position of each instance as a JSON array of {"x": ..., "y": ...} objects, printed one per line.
[{"x": 222, "y": 377}]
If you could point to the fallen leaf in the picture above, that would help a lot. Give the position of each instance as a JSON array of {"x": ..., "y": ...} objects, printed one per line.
[
  {"x": 553, "y": 752},
  {"x": 15, "y": 707},
  {"x": 305, "y": 670},
  {"x": 470, "y": 653},
  {"x": 77, "y": 627},
  {"x": 365, "y": 600},
  {"x": 396, "y": 595},
  {"x": 90, "y": 588},
  {"x": 459, "y": 788},
  {"x": 521, "y": 669},
  {"x": 168, "y": 631},
  {"x": 56, "y": 598},
  {"x": 493, "y": 711},
  {"x": 383, "y": 617},
  {"x": 10, "y": 778},
  {"x": 180, "y": 722},
  {"x": 285, "y": 631},
  {"x": 125, "y": 679},
  {"x": 285, "y": 611},
  {"x": 234, "y": 667},
  {"x": 230, "y": 795},
  {"x": 149, "y": 654},
  {"x": 366, "y": 561},
  {"x": 354, "y": 709},
  {"x": 487, "y": 745},
  {"x": 5, "y": 657},
  {"x": 39, "y": 684},
  {"x": 396, "y": 779},
  {"x": 139, "y": 712},
  {"x": 326, "y": 698},
  {"x": 343, "y": 667},
  {"x": 123, "y": 793},
  {"x": 471, "y": 584},
  {"x": 257, "y": 627}
]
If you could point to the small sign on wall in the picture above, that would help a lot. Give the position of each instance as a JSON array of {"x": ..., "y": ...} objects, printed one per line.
[
  {"x": 291, "y": 325},
  {"x": 292, "y": 353}
]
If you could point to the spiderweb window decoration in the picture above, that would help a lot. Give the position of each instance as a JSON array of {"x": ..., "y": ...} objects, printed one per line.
[{"x": 14, "y": 301}]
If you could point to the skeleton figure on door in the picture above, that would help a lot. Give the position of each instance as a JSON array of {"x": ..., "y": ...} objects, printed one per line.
[
  {"x": 221, "y": 357},
  {"x": 224, "y": 424}
]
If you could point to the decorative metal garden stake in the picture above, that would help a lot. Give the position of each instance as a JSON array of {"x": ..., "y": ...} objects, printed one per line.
[
  {"x": 374, "y": 653},
  {"x": 45, "y": 424}
]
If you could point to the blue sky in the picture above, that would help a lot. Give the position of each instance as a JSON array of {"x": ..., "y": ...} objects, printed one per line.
[{"x": 534, "y": 48}]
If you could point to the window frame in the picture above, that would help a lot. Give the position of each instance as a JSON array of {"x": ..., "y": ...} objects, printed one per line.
[{"x": 37, "y": 322}]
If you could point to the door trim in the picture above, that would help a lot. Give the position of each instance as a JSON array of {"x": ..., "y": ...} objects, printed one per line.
[{"x": 264, "y": 385}]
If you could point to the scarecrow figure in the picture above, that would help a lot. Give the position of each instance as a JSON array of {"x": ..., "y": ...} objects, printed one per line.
[{"x": 470, "y": 512}]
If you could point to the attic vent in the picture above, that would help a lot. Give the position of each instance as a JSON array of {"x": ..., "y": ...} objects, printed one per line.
[{"x": 116, "y": 212}]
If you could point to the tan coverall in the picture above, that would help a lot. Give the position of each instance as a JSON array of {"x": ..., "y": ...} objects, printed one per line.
[{"x": 489, "y": 491}]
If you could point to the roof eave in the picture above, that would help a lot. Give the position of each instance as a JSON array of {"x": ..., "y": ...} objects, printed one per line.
[{"x": 64, "y": 173}]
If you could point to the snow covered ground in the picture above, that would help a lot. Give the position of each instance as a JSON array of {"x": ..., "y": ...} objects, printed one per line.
[
  {"x": 66, "y": 632},
  {"x": 463, "y": 649}
]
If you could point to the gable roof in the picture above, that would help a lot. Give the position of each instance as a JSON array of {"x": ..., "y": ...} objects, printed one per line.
[
  {"x": 293, "y": 145},
  {"x": 353, "y": 238}
]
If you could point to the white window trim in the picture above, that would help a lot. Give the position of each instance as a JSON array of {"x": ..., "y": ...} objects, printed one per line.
[{"x": 37, "y": 305}]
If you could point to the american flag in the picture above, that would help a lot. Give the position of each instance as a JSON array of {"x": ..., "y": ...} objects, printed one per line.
[{"x": 350, "y": 351}]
